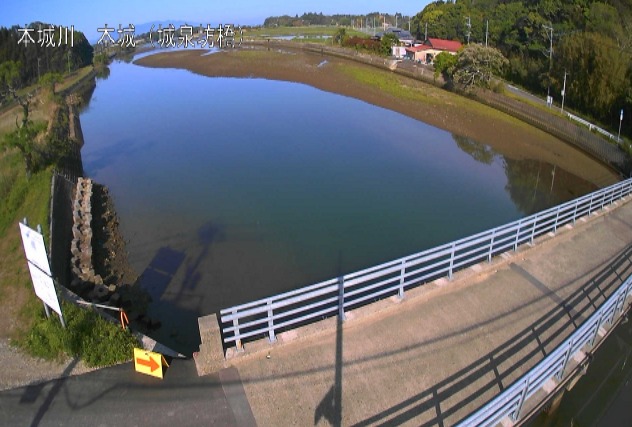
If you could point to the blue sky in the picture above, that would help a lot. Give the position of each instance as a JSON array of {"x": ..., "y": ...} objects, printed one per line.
[{"x": 87, "y": 16}]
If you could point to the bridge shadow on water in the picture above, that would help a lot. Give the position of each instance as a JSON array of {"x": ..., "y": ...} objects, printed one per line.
[
  {"x": 437, "y": 404},
  {"x": 173, "y": 300}
]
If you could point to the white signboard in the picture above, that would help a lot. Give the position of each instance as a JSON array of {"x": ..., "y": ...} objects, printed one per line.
[
  {"x": 34, "y": 248},
  {"x": 44, "y": 288}
]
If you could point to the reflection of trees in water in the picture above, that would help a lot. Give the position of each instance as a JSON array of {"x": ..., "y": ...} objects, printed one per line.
[
  {"x": 103, "y": 72},
  {"x": 479, "y": 152},
  {"x": 533, "y": 185},
  {"x": 84, "y": 93}
]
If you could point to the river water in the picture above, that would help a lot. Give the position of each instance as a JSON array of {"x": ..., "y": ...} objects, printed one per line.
[{"x": 229, "y": 190}]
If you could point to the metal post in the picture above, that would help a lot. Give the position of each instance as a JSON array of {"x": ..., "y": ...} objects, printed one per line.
[
  {"x": 451, "y": 262},
  {"x": 401, "y": 280},
  {"x": 341, "y": 298},
  {"x": 557, "y": 217},
  {"x": 236, "y": 332},
  {"x": 271, "y": 336},
  {"x": 61, "y": 319},
  {"x": 47, "y": 310},
  {"x": 569, "y": 346},
  {"x": 517, "y": 236},
  {"x": 523, "y": 397},
  {"x": 491, "y": 246},
  {"x": 620, "y": 121},
  {"x": 535, "y": 221},
  {"x": 591, "y": 202},
  {"x": 564, "y": 91},
  {"x": 575, "y": 214}
]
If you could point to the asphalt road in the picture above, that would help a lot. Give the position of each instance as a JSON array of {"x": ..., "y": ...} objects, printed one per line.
[{"x": 118, "y": 396}]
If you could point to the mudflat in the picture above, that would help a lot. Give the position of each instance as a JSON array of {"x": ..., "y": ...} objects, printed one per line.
[{"x": 440, "y": 108}]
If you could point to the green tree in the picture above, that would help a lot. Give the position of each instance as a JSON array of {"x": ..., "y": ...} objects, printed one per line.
[
  {"x": 49, "y": 80},
  {"x": 340, "y": 35},
  {"x": 598, "y": 72},
  {"x": 476, "y": 65},
  {"x": 444, "y": 64},
  {"x": 9, "y": 79},
  {"x": 387, "y": 42}
]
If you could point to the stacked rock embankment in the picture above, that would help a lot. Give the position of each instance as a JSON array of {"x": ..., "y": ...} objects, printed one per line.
[{"x": 85, "y": 281}]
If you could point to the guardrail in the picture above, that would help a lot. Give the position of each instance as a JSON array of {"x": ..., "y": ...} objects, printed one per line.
[
  {"x": 291, "y": 309},
  {"x": 510, "y": 402},
  {"x": 591, "y": 126}
]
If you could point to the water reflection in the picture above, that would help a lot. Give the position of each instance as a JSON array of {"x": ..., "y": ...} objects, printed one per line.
[{"x": 533, "y": 185}]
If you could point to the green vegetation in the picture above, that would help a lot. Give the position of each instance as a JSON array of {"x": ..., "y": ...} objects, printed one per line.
[
  {"x": 591, "y": 40},
  {"x": 312, "y": 32},
  {"x": 476, "y": 65},
  {"x": 37, "y": 59},
  {"x": 87, "y": 336},
  {"x": 25, "y": 192}
]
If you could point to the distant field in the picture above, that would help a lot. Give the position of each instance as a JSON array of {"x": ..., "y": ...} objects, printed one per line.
[{"x": 311, "y": 32}]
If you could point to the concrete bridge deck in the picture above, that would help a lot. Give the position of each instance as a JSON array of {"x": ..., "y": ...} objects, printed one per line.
[{"x": 448, "y": 347}]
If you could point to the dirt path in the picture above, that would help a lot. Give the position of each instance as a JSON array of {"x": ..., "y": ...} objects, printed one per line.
[{"x": 505, "y": 134}]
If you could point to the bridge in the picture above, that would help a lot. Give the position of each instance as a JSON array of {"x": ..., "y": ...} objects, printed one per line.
[{"x": 480, "y": 331}]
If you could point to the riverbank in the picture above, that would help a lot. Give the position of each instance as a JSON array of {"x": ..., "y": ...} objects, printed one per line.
[{"x": 453, "y": 113}]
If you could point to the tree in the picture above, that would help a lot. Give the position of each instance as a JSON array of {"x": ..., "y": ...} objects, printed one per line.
[
  {"x": 387, "y": 42},
  {"x": 23, "y": 139},
  {"x": 49, "y": 80},
  {"x": 444, "y": 64},
  {"x": 476, "y": 65},
  {"x": 9, "y": 79},
  {"x": 340, "y": 35}
]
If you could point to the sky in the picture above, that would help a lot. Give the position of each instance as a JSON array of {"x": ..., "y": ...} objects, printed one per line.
[{"x": 87, "y": 16}]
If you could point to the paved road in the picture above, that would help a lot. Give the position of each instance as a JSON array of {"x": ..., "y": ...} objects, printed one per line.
[{"x": 118, "y": 396}]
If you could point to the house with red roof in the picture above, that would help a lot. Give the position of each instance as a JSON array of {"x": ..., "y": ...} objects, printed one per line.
[{"x": 427, "y": 51}]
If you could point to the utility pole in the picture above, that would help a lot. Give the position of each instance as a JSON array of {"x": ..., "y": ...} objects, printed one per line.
[
  {"x": 486, "y": 32},
  {"x": 38, "y": 69},
  {"x": 620, "y": 121},
  {"x": 469, "y": 29},
  {"x": 564, "y": 91},
  {"x": 426, "y": 36},
  {"x": 549, "y": 28},
  {"x": 395, "y": 19}
]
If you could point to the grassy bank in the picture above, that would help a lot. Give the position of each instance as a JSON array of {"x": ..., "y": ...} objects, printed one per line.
[
  {"x": 87, "y": 336},
  {"x": 311, "y": 33}
]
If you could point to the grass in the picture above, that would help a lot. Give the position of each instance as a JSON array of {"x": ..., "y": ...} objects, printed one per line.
[{"x": 87, "y": 336}]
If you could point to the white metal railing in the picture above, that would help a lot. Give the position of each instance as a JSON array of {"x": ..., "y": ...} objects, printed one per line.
[
  {"x": 510, "y": 402},
  {"x": 311, "y": 303},
  {"x": 591, "y": 126}
]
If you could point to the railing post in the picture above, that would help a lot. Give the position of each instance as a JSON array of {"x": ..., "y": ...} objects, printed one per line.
[
  {"x": 517, "y": 235},
  {"x": 557, "y": 217},
  {"x": 591, "y": 202},
  {"x": 491, "y": 246},
  {"x": 575, "y": 213},
  {"x": 402, "y": 274},
  {"x": 341, "y": 298},
  {"x": 535, "y": 221},
  {"x": 271, "y": 335},
  {"x": 567, "y": 356},
  {"x": 523, "y": 397},
  {"x": 236, "y": 332},
  {"x": 451, "y": 262}
]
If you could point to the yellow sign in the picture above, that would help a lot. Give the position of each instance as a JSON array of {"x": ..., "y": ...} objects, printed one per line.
[{"x": 149, "y": 363}]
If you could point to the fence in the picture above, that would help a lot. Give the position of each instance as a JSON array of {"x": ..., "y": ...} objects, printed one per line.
[
  {"x": 590, "y": 126},
  {"x": 596, "y": 146},
  {"x": 281, "y": 312},
  {"x": 510, "y": 402}
]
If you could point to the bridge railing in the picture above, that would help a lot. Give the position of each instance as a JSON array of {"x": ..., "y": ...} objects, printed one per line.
[
  {"x": 510, "y": 402},
  {"x": 288, "y": 310}
]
